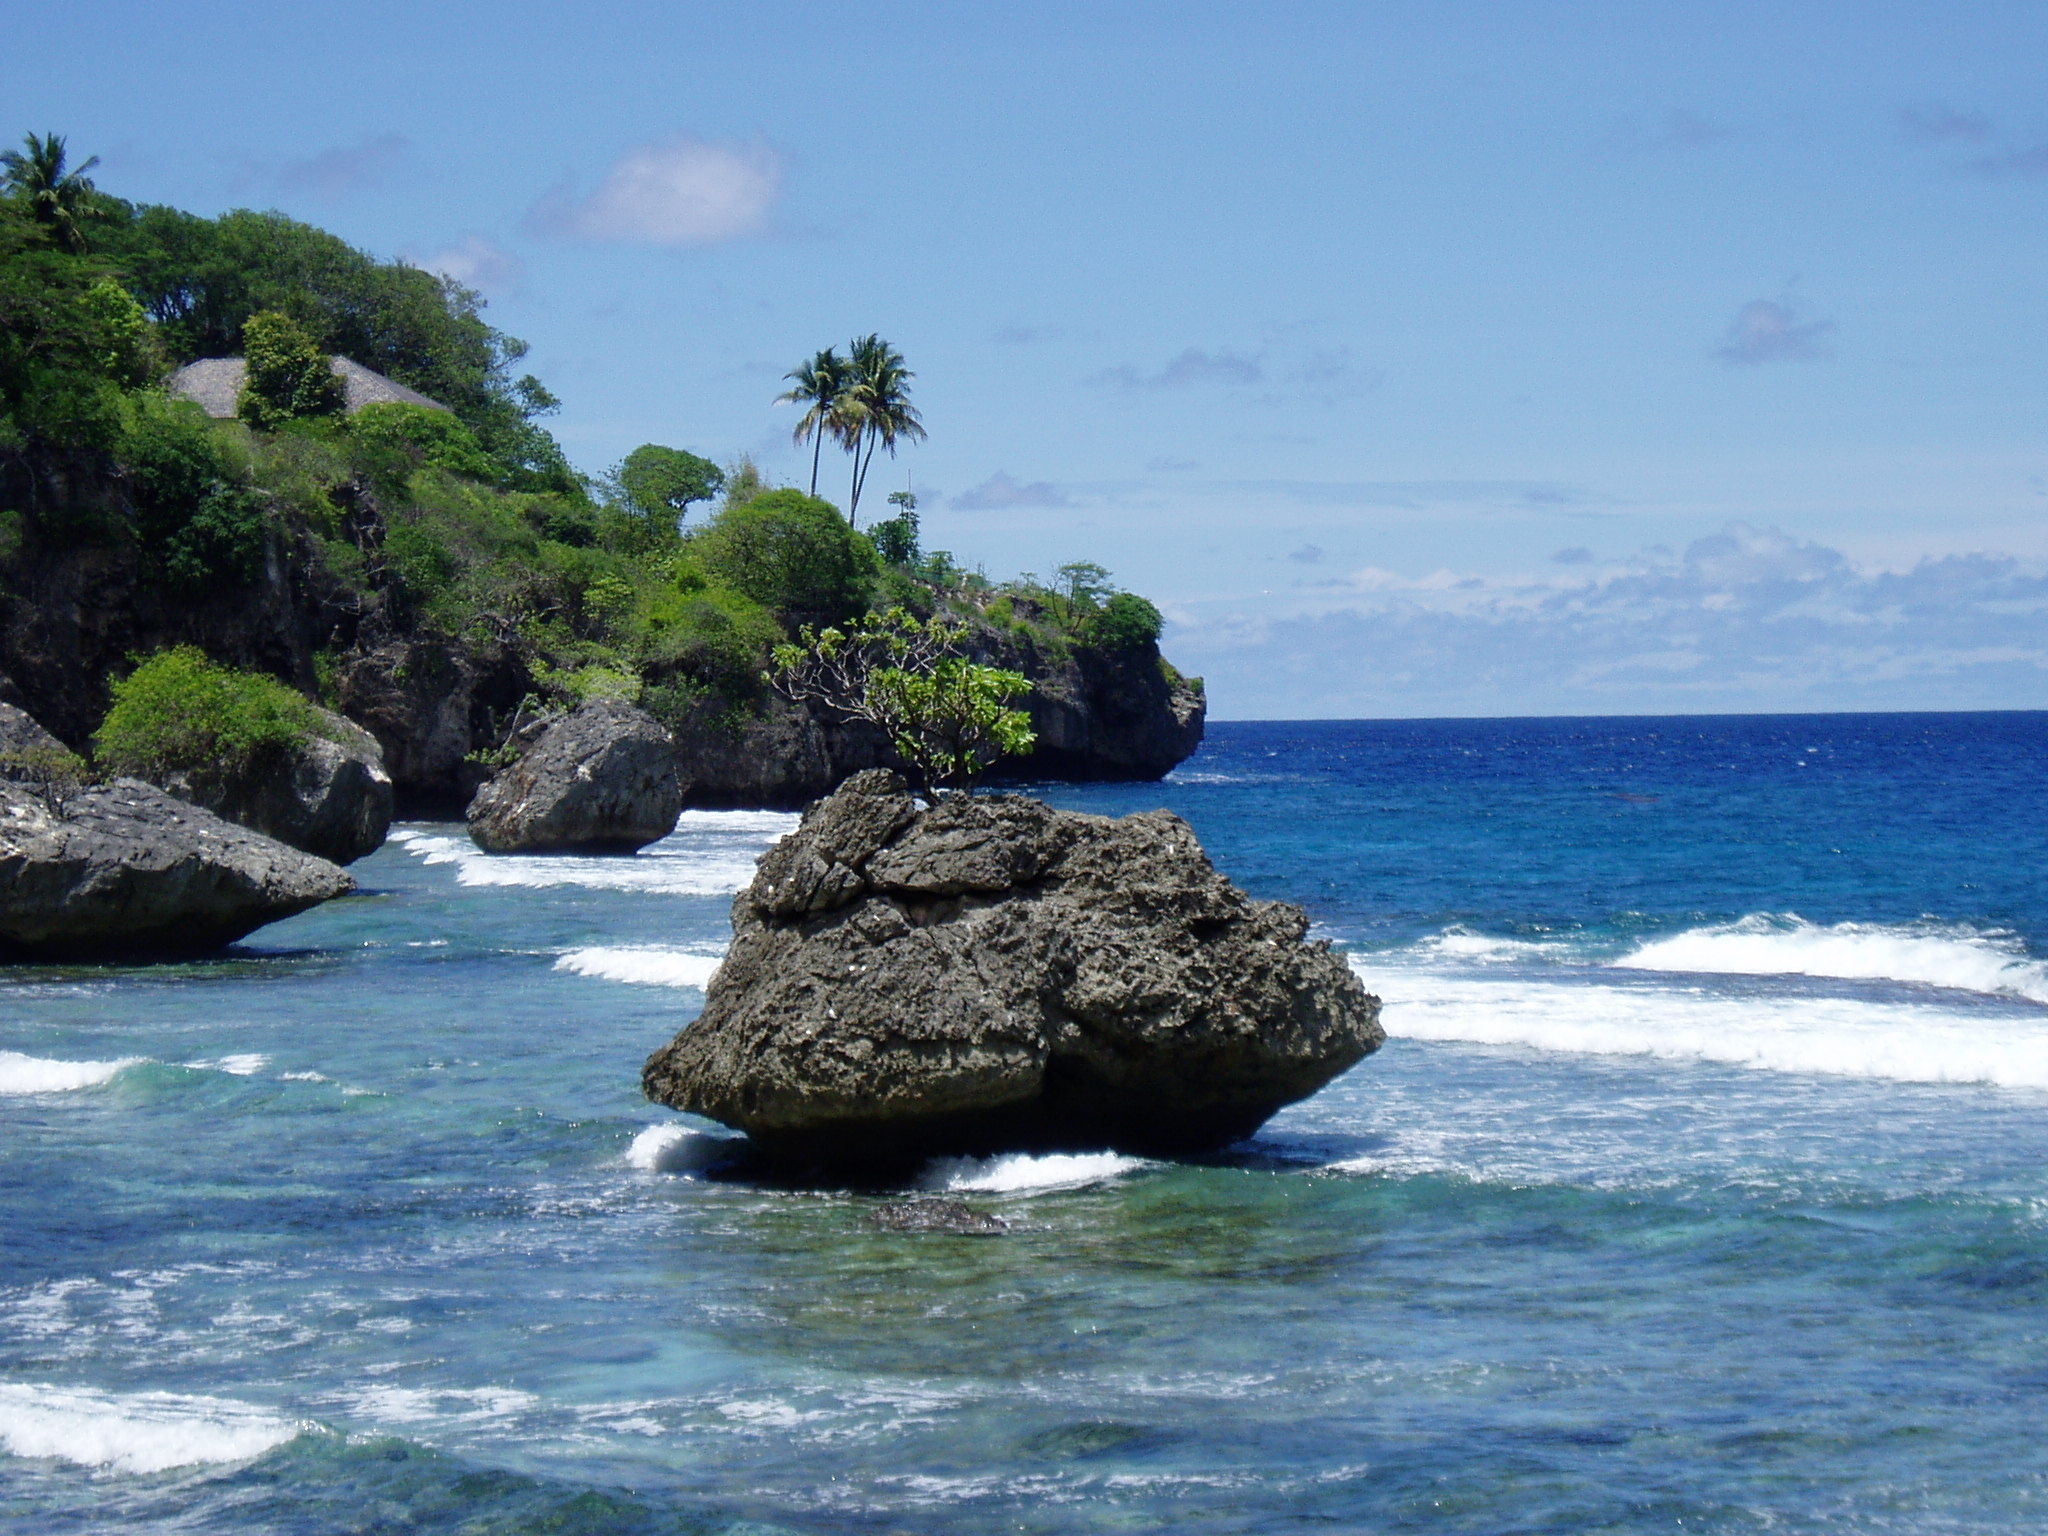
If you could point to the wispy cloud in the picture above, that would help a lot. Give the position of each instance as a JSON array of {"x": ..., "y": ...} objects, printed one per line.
[
  {"x": 475, "y": 262},
  {"x": 1773, "y": 331},
  {"x": 1307, "y": 554},
  {"x": 1678, "y": 129},
  {"x": 1936, "y": 122},
  {"x": 1416, "y": 495},
  {"x": 1744, "y": 618},
  {"x": 2029, "y": 162},
  {"x": 334, "y": 174},
  {"x": 673, "y": 192},
  {"x": 1578, "y": 554},
  {"x": 999, "y": 493},
  {"x": 1194, "y": 366}
]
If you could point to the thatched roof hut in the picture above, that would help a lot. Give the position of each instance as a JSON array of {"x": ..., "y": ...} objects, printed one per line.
[{"x": 214, "y": 384}]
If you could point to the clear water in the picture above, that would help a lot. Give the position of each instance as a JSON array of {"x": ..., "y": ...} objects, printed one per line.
[{"x": 1703, "y": 1187}]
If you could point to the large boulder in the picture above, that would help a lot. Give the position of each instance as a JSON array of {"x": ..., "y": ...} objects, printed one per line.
[
  {"x": 600, "y": 780},
  {"x": 330, "y": 797},
  {"x": 990, "y": 974},
  {"x": 124, "y": 869}
]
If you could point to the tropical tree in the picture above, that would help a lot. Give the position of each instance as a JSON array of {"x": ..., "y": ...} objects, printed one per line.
[
  {"x": 949, "y": 718},
  {"x": 662, "y": 482},
  {"x": 877, "y": 410},
  {"x": 819, "y": 385},
  {"x": 58, "y": 199}
]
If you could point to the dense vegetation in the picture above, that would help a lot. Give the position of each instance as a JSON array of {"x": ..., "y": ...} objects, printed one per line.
[
  {"x": 468, "y": 523},
  {"x": 178, "y": 711}
]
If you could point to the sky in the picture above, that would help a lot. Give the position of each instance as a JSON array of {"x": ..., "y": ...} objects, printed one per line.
[{"x": 1417, "y": 359}]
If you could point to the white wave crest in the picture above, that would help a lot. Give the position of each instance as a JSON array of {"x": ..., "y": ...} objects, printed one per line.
[
  {"x": 1932, "y": 954},
  {"x": 1457, "y": 943},
  {"x": 415, "y": 1405},
  {"x": 1830, "y": 1036},
  {"x": 1019, "y": 1172},
  {"x": 672, "y": 1148},
  {"x": 242, "y": 1064},
  {"x": 710, "y": 853},
  {"x": 649, "y": 965},
  {"x": 136, "y": 1431},
  {"x": 21, "y": 1074}
]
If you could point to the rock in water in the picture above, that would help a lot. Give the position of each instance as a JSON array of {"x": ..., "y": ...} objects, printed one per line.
[
  {"x": 124, "y": 869},
  {"x": 991, "y": 974},
  {"x": 602, "y": 780},
  {"x": 330, "y": 797}
]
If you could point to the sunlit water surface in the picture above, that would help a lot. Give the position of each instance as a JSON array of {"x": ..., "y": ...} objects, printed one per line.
[{"x": 1703, "y": 1186}]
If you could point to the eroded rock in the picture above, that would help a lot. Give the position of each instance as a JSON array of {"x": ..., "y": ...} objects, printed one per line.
[
  {"x": 330, "y": 797},
  {"x": 124, "y": 869},
  {"x": 600, "y": 780},
  {"x": 990, "y": 974}
]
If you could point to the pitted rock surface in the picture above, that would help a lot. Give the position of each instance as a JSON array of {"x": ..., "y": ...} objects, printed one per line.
[
  {"x": 125, "y": 869},
  {"x": 601, "y": 780},
  {"x": 991, "y": 974},
  {"x": 329, "y": 797}
]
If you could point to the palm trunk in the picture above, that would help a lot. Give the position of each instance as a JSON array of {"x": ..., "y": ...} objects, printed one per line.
[{"x": 817, "y": 447}]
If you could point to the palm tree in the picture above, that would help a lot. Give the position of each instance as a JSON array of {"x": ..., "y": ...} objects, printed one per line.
[
  {"x": 819, "y": 384},
  {"x": 878, "y": 409},
  {"x": 57, "y": 199}
]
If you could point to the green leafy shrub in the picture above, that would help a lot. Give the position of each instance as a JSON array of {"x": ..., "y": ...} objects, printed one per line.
[
  {"x": 288, "y": 376},
  {"x": 717, "y": 638},
  {"x": 660, "y": 483},
  {"x": 896, "y": 539},
  {"x": 179, "y": 711},
  {"x": 195, "y": 518},
  {"x": 392, "y": 439},
  {"x": 790, "y": 552},
  {"x": 1126, "y": 622}
]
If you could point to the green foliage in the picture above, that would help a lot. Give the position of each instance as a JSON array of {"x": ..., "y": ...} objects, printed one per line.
[
  {"x": 197, "y": 522},
  {"x": 1083, "y": 582},
  {"x": 61, "y": 199},
  {"x": 1126, "y": 622},
  {"x": 790, "y": 552},
  {"x": 53, "y": 773},
  {"x": 288, "y": 376},
  {"x": 716, "y": 638},
  {"x": 178, "y": 711},
  {"x": 579, "y": 685},
  {"x": 660, "y": 483},
  {"x": 743, "y": 482},
  {"x": 392, "y": 439},
  {"x": 949, "y": 718},
  {"x": 896, "y": 540}
]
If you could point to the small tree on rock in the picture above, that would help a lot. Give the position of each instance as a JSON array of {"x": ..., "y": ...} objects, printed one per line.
[{"x": 949, "y": 718}]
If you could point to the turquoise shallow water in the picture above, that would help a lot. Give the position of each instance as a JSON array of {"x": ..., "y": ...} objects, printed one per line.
[{"x": 1703, "y": 1186}]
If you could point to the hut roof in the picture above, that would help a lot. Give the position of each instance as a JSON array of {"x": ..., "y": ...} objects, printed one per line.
[{"x": 215, "y": 385}]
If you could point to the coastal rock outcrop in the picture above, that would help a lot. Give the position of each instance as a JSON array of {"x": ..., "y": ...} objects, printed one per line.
[
  {"x": 990, "y": 974},
  {"x": 602, "y": 779},
  {"x": 329, "y": 797},
  {"x": 125, "y": 869}
]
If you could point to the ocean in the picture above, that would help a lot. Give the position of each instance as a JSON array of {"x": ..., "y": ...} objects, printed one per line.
[{"x": 1702, "y": 1185}]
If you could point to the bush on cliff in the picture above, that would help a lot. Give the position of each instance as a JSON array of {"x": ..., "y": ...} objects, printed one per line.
[
  {"x": 178, "y": 711},
  {"x": 790, "y": 552},
  {"x": 1126, "y": 622},
  {"x": 196, "y": 519}
]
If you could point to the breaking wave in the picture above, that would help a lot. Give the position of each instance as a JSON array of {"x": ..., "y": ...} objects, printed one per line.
[
  {"x": 1931, "y": 954},
  {"x": 1022, "y": 1172},
  {"x": 649, "y": 965},
  {"x": 21, "y": 1074},
  {"x": 710, "y": 853},
  {"x": 134, "y": 1431}
]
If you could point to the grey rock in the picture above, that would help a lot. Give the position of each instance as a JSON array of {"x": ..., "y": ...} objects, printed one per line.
[
  {"x": 125, "y": 869},
  {"x": 990, "y": 974},
  {"x": 602, "y": 779},
  {"x": 330, "y": 797},
  {"x": 22, "y": 738}
]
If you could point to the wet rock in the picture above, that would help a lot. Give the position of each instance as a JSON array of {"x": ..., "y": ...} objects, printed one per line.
[
  {"x": 601, "y": 780},
  {"x": 124, "y": 869},
  {"x": 990, "y": 974}
]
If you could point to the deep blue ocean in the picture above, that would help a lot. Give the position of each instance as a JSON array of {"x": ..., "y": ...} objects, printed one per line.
[{"x": 1702, "y": 1186}]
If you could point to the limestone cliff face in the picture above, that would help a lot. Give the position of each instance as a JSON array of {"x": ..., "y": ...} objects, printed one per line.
[
  {"x": 1099, "y": 714},
  {"x": 72, "y": 614}
]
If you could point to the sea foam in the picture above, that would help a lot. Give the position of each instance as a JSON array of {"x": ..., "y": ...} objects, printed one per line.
[
  {"x": 1021, "y": 1172},
  {"x": 21, "y": 1074},
  {"x": 1834, "y": 1036},
  {"x": 672, "y": 1148},
  {"x": 710, "y": 853},
  {"x": 1766, "y": 944},
  {"x": 649, "y": 965},
  {"x": 134, "y": 1431}
]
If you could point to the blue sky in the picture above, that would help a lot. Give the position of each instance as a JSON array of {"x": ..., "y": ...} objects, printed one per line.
[{"x": 1416, "y": 359}]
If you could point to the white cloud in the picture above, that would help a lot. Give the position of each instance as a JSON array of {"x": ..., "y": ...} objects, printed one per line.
[
  {"x": 475, "y": 262},
  {"x": 678, "y": 191},
  {"x": 1772, "y": 331},
  {"x": 1747, "y": 618},
  {"x": 999, "y": 493}
]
